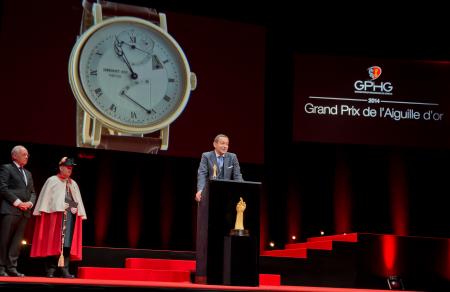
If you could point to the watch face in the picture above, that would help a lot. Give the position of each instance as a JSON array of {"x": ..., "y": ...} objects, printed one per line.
[{"x": 130, "y": 74}]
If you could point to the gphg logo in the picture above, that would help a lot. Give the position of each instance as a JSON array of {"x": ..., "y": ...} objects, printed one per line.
[
  {"x": 374, "y": 72},
  {"x": 372, "y": 87}
]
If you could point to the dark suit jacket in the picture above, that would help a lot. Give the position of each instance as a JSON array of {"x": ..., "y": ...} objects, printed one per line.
[
  {"x": 13, "y": 187},
  {"x": 231, "y": 168}
]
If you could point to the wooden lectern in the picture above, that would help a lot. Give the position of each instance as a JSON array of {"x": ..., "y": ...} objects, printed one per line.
[{"x": 223, "y": 258}]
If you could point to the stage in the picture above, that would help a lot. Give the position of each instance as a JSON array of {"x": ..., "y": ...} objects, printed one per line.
[
  {"x": 42, "y": 283},
  {"x": 345, "y": 262}
]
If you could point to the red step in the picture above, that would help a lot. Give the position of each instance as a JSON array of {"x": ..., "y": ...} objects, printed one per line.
[
  {"x": 133, "y": 274},
  {"x": 322, "y": 245},
  {"x": 160, "y": 264},
  {"x": 269, "y": 280},
  {"x": 347, "y": 237},
  {"x": 292, "y": 253},
  {"x": 164, "y": 270}
]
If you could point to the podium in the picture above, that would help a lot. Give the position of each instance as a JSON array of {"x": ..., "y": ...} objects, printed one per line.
[{"x": 223, "y": 258}]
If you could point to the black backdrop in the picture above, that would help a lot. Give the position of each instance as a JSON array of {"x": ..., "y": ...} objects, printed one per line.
[{"x": 147, "y": 201}]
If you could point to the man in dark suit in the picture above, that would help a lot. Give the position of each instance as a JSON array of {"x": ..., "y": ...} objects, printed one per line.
[
  {"x": 218, "y": 164},
  {"x": 17, "y": 197}
]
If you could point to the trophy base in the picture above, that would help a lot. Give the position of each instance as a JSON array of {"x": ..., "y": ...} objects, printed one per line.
[{"x": 239, "y": 232}]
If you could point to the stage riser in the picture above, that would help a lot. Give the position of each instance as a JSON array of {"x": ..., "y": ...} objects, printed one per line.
[
  {"x": 367, "y": 262},
  {"x": 421, "y": 262}
]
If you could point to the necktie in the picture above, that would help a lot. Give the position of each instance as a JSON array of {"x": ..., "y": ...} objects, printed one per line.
[
  {"x": 220, "y": 162},
  {"x": 23, "y": 174}
]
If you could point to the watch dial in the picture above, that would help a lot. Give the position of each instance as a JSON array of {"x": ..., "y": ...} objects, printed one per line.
[{"x": 133, "y": 74}]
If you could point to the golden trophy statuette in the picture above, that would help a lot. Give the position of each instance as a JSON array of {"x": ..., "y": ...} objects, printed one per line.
[
  {"x": 239, "y": 225},
  {"x": 214, "y": 171}
]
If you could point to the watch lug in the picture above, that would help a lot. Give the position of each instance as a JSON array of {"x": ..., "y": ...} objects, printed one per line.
[
  {"x": 91, "y": 130},
  {"x": 97, "y": 13},
  {"x": 163, "y": 21},
  {"x": 96, "y": 132},
  {"x": 164, "y": 135},
  {"x": 85, "y": 126},
  {"x": 81, "y": 137}
]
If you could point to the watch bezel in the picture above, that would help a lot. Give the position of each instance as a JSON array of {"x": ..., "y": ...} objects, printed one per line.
[{"x": 83, "y": 99}]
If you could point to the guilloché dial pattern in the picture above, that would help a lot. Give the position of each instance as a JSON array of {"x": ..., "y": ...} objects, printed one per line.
[{"x": 132, "y": 74}]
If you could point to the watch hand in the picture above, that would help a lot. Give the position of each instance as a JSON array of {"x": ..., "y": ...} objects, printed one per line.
[
  {"x": 134, "y": 47},
  {"x": 150, "y": 93},
  {"x": 137, "y": 103},
  {"x": 119, "y": 52}
]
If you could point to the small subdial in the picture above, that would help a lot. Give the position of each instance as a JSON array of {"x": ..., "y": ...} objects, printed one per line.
[{"x": 137, "y": 46}]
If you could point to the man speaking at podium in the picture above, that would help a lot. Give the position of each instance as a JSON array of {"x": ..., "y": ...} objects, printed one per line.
[
  {"x": 219, "y": 164},
  {"x": 216, "y": 164}
]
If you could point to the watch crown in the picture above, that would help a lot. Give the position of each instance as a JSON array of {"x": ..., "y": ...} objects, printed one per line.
[{"x": 193, "y": 81}]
